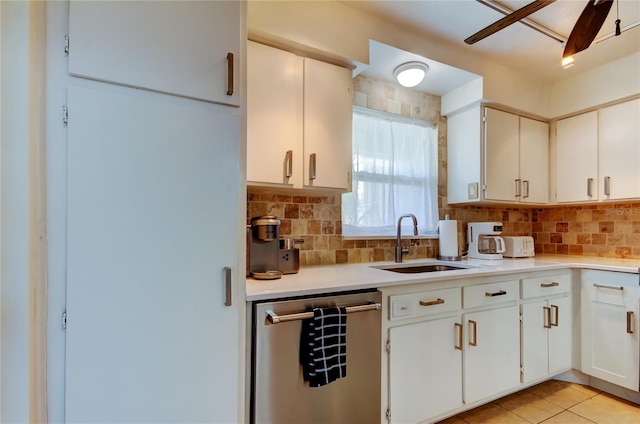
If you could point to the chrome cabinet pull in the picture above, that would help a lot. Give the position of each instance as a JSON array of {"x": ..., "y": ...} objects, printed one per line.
[
  {"x": 227, "y": 286},
  {"x": 601, "y": 286},
  {"x": 589, "y": 187},
  {"x": 525, "y": 183},
  {"x": 288, "y": 159},
  {"x": 431, "y": 302},
  {"x": 475, "y": 333},
  {"x": 459, "y": 327},
  {"x": 607, "y": 186},
  {"x": 518, "y": 187},
  {"x": 629, "y": 322},
  {"x": 547, "y": 316},
  {"x": 229, "y": 74},
  {"x": 547, "y": 285},
  {"x": 312, "y": 166},
  {"x": 555, "y": 309},
  {"x": 498, "y": 293}
]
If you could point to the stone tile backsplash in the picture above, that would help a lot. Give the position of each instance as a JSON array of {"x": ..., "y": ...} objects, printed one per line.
[
  {"x": 606, "y": 229},
  {"x": 317, "y": 221}
]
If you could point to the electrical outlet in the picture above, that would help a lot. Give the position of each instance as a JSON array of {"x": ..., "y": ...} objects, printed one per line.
[{"x": 472, "y": 191}]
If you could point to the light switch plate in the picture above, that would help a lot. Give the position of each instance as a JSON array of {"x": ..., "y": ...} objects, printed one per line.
[{"x": 472, "y": 191}]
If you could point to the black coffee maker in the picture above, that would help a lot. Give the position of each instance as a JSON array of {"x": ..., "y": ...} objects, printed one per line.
[{"x": 263, "y": 247}]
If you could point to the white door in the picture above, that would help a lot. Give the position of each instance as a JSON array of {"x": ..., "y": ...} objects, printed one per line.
[
  {"x": 425, "y": 370},
  {"x": 535, "y": 344},
  {"x": 274, "y": 116},
  {"x": 178, "y": 47},
  {"x": 328, "y": 116},
  {"x": 546, "y": 337},
  {"x": 610, "y": 349},
  {"x": 493, "y": 364},
  {"x": 501, "y": 156},
  {"x": 619, "y": 150},
  {"x": 560, "y": 335},
  {"x": 153, "y": 220},
  {"x": 534, "y": 160},
  {"x": 577, "y": 158}
]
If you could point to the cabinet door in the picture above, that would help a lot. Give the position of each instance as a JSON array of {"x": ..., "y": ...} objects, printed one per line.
[
  {"x": 577, "y": 158},
  {"x": 535, "y": 352},
  {"x": 274, "y": 116},
  {"x": 328, "y": 116},
  {"x": 610, "y": 329},
  {"x": 560, "y": 335},
  {"x": 153, "y": 220},
  {"x": 546, "y": 338},
  {"x": 425, "y": 370},
  {"x": 534, "y": 160},
  {"x": 501, "y": 156},
  {"x": 171, "y": 47},
  {"x": 492, "y": 352},
  {"x": 619, "y": 150}
]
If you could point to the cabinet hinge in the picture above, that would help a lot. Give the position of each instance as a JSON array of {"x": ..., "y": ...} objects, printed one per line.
[
  {"x": 388, "y": 414},
  {"x": 388, "y": 346},
  {"x": 65, "y": 115},
  {"x": 66, "y": 45},
  {"x": 64, "y": 320}
]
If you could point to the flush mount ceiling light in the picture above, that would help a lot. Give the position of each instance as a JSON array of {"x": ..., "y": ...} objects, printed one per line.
[{"x": 410, "y": 74}]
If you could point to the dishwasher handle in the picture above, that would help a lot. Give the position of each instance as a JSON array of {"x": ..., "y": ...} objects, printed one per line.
[{"x": 274, "y": 318}]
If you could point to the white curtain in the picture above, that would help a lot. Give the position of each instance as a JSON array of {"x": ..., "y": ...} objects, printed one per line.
[{"x": 395, "y": 172}]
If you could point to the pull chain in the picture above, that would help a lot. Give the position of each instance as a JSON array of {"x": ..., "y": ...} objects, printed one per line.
[{"x": 618, "y": 32}]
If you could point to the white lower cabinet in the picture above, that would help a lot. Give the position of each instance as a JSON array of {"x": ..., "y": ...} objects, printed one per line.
[
  {"x": 492, "y": 339},
  {"x": 547, "y": 322},
  {"x": 610, "y": 343},
  {"x": 491, "y": 353},
  {"x": 425, "y": 372},
  {"x": 442, "y": 357}
]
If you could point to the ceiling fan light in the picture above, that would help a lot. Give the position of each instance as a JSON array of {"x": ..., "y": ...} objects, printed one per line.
[
  {"x": 410, "y": 74},
  {"x": 567, "y": 62}
]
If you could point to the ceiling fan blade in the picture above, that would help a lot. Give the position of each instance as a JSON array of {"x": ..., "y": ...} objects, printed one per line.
[
  {"x": 587, "y": 26},
  {"x": 511, "y": 18}
]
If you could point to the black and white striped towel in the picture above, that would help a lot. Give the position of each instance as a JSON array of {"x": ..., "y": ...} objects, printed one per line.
[{"x": 323, "y": 346}]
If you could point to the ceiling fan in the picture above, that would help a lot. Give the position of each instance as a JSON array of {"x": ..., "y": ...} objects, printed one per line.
[{"x": 584, "y": 31}]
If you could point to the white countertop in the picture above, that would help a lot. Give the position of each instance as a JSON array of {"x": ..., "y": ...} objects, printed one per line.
[{"x": 313, "y": 280}]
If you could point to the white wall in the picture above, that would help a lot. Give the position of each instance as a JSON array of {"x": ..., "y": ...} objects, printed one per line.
[
  {"x": 609, "y": 82},
  {"x": 14, "y": 217},
  {"x": 343, "y": 32}
]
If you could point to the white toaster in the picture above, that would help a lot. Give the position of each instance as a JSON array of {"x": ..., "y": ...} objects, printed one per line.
[{"x": 518, "y": 246}]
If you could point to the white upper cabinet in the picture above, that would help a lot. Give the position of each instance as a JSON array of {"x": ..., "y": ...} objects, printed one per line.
[
  {"x": 189, "y": 49},
  {"x": 598, "y": 154},
  {"x": 534, "y": 160},
  {"x": 497, "y": 156},
  {"x": 328, "y": 117},
  {"x": 501, "y": 155},
  {"x": 619, "y": 150},
  {"x": 299, "y": 125},
  {"x": 274, "y": 109},
  {"x": 577, "y": 158}
]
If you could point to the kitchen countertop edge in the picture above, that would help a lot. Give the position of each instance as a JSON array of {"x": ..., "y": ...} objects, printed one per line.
[{"x": 324, "y": 279}]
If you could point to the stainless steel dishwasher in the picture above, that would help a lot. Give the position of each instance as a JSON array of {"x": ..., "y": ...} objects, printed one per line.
[{"x": 278, "y": 393}]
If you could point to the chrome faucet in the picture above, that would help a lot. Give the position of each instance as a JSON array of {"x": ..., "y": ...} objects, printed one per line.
[{"x": 399, "y": 250}]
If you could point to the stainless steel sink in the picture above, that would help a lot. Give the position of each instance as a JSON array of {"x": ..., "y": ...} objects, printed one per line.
[{"x": 420, "y": 268}]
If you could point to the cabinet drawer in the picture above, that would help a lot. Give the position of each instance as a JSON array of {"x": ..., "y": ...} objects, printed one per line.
[
  {"x": 424, "y": 303},
  {"x": 544, "y": 286},
  {"x": 489, "y": 294}
]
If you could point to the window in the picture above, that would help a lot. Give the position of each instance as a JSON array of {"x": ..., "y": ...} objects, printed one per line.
[{"x": 395, "y": 162}]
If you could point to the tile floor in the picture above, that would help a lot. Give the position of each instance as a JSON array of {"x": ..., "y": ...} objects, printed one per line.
[{"x": 553, "y": 402}]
